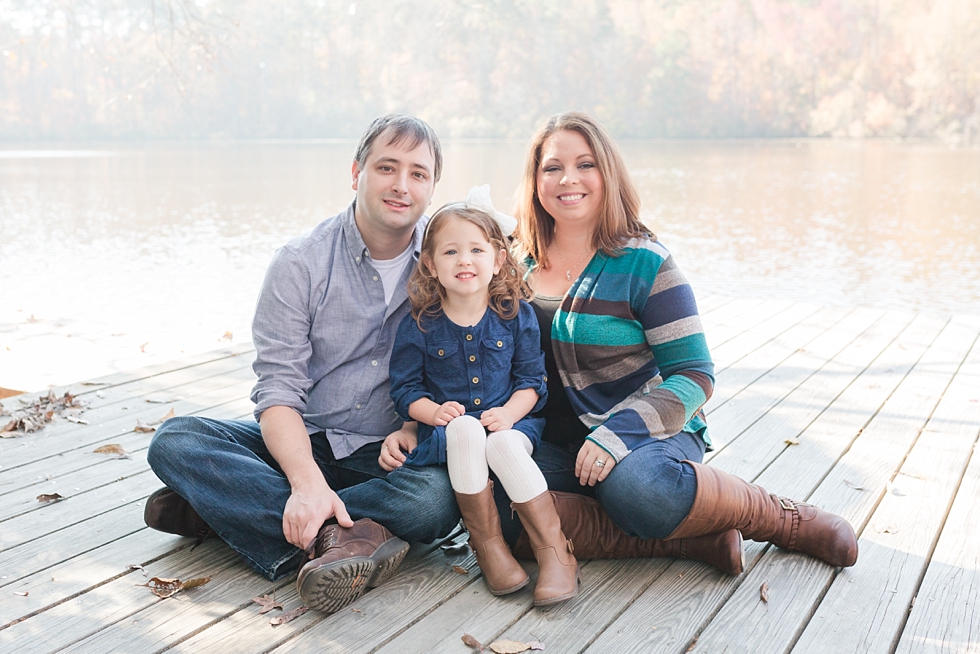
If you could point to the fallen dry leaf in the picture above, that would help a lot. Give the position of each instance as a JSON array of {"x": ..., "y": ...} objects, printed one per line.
[
  {"x": 136, "y": 566},
  {"x": 288, "y": 616},
  {"x": 470, "y": 641},
  {"x": 52, "y": 497},
  {"x": 76, "y": 420},
  {"x": 167, "y": 416},
  {"x": 851, "y": 484},
  {"x": 164, "y": 400},
  {"x": 764, "y": 592},
  {"x": 38, "y": 413},
  {"x": 694, "y": 643},
  {"x": 536, "y": 645},
  {"x": 165, "y": 588},
  {"x": 95, "y": 383},
  {"x": 268, "y": 603},
  {"x": 111, "y": 448},
  {"x": 227, "y": 336},
  {"x": 142, "y": 427},
  {"x": 791, "y": 441},
  {"x": 143, "y": 347},
  {"x": 508, "y": 647},
  {"x": 460, "y": 570}
]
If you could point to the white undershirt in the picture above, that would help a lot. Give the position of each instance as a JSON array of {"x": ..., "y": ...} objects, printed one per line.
[{"x": 391, "y": 271}]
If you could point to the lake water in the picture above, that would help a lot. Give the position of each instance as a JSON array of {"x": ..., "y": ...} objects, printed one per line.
[{"x": 115, "y": 256}]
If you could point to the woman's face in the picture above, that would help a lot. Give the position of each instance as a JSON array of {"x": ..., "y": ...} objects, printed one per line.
[{"x": 568, "y": 180}]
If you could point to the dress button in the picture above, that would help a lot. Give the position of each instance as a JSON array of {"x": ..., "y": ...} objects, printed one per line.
[
  {"x": 472, "y": 357},
  {"x": 469, "y": 337},
  {"x": 500, "y": 343},
  {"x": 441, "y": 352},
  {"x": 476, "y": 401},
  {"x": 476, "y": 380},
  {"x": 374, "y": 362}
]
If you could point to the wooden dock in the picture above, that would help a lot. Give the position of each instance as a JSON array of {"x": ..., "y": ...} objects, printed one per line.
[{"x": 870, "y": 413}]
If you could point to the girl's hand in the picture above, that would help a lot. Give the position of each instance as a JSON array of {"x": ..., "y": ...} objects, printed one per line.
[
  {"x": 444, "y": 413},
  {"x": 395, "y": 447},
  {"x": 497, "y": 419},
  {"x": 585, "y": 468}
]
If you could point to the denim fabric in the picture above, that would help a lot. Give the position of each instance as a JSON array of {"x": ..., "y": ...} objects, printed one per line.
[
  {"x": 323, "y": 334},
  {"x": 647, "y": 494},
  {"x": 480, "y": 367},
  {"x": 224, "y": 470}
]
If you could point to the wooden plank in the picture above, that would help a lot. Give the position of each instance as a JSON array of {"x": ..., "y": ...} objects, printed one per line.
[
  {"x": 681, "y": 612},
  {"x": 92, "y": 620},
  {"x": 81, "y": 470},
  {"x": 207, "y": 393},
  {"x": 750, "y": 340},
  {"x": 767, "y": 439},
  {"x": 384, "y": 612},
  {"x": 944, "y": 613},
  {"x": 734, "y": 379},
  {"x": 864, "y": 610},
  {"x": 721, "y": 333},
  {"x": 246, "y": 631},
  {"x": 851, "y": 489},
  {"x": 728, "y": 421}
]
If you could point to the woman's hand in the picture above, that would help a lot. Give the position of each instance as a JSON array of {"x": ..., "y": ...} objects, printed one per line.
[
  {"x": 395, "y": 447},
  {"x": 585, "y": 464}
]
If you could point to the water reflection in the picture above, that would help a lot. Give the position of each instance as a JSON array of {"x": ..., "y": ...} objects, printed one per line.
[{"x": 166, "y": 244}]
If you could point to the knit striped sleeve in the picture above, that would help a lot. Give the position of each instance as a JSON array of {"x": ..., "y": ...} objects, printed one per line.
[{"x": 664, "y": 302}]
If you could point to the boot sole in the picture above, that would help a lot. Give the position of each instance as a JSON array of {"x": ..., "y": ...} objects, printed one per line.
[
  {"x": 548, "y": 601},
  {"x": 512, "y": 589},
  {"x": 333, "y": 586}
]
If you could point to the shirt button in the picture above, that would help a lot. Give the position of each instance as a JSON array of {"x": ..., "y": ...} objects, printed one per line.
[
  {"x": 374, "y": 363},
  {"x": 476, "y": 380},
  {"x": 357, "y": 259},
  {"x": 357, "y": 406},
  {"x": 546, "y": 378},
  {"x": 476, "y": 401},
  {"x": 500, "y": 343},
  {"x": 441, "y": 352},
  {"x": 375, "y": 278},
  {"x": 472, "y": 357},
  {"x": 469, "y": 337}
]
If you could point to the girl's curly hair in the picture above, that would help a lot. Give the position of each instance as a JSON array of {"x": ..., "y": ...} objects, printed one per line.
[{"x": 506, "y": 288}]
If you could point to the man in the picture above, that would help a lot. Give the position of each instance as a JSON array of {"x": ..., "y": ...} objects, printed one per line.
[{"x": 304, "y": 480}]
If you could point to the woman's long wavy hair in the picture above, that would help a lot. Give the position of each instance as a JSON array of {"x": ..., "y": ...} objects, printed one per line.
[
  {"x": 619, "y": 216},
  {"x": 506, "y": 288}
]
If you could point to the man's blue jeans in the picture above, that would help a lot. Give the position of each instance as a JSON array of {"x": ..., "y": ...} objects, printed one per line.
[
  {"x": 647, "y": 494},
  {"x": 223, "y": 469}
]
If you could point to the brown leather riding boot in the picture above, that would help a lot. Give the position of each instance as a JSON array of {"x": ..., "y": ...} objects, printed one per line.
[
  {"x": 595, "y": 536},
  {"x": 501, "y": 570},
  {"x": 167, "y": 511},
  {"x": 724, "y": 501},
  {"x": 347, "y": 562},
  {"x": 558, "y": 576}
]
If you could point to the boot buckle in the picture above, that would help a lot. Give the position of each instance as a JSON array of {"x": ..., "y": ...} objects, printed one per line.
[{"x": 786, "y": 503}]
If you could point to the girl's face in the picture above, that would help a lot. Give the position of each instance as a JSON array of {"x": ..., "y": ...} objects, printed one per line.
[
  {"x": 568, "y": 181},
  {"x": 463, "y": 260}
]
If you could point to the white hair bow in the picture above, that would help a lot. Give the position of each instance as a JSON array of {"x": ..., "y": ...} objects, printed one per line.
[{"x": 479, "y": 198}]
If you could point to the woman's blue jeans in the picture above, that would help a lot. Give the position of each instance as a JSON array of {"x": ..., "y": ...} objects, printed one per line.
[
  {"x": 647, "y": 494},
  {"x": 225, "y": 471}
]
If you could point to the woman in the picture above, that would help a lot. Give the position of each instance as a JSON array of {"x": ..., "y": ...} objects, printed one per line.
[{"x": 629, "y": 371}]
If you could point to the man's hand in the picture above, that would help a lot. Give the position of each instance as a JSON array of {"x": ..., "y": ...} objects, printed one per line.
[
  {"x": 396, "y": 446},
  {"x": 306, "y": 511},
  {"x": 498, "y": 418},
  {"x": 445, "y": 413},
  {"x": 585, "y": 468}
]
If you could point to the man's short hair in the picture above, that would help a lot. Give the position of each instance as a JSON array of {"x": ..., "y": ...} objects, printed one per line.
[{"x": 402, "y": 127}]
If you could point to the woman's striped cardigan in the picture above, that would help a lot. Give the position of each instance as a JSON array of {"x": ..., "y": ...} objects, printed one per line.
[{"x": 631, "y": 351}]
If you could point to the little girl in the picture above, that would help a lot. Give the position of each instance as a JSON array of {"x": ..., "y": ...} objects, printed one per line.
[{"x": 467, "y": 366}]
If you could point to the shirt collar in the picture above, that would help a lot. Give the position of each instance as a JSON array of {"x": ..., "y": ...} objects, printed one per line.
[{"x": 355, "y": 243}]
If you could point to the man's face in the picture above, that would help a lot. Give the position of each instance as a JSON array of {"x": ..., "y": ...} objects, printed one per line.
[{"x": 394, "y": 187}]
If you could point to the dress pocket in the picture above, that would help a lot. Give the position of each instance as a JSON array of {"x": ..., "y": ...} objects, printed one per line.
[{"x": 498, "y": 351}]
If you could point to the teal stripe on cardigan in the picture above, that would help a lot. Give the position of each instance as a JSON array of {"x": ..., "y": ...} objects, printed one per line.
[{"x": 588, "y": 329}]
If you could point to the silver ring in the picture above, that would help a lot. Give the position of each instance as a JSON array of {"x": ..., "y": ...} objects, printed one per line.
[{"x": 599, "y": 463}]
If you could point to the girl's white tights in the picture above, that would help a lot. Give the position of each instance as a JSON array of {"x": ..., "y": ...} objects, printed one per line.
[{"x": 470, "y": 450}]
